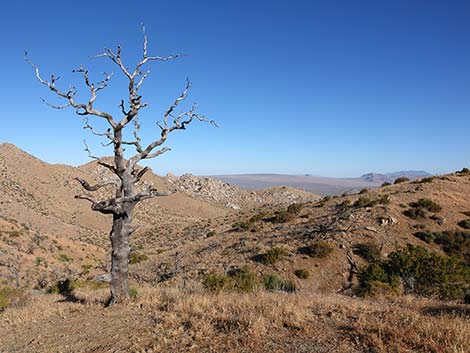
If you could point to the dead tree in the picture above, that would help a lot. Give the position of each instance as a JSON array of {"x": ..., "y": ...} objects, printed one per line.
[{"x": 128, "y": 173}]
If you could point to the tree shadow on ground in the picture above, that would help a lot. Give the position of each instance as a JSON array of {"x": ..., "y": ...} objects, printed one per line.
[
  {"x": 65, "y": 289},
  {"x": 455, "y": 310}
]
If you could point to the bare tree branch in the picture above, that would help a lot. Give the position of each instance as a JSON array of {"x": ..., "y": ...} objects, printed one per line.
[
  {"x": 97, "y": 186},
  {"x": 107, "y": 206},
  {"x": 99, "y": 160},
  {"x": 80, "y": 108}
]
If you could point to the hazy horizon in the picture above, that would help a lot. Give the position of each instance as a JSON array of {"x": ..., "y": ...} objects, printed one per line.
[{"x": 335, "y": 90}]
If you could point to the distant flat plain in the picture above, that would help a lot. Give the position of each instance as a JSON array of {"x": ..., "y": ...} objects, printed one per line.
[{"x": 316, "y": 184}]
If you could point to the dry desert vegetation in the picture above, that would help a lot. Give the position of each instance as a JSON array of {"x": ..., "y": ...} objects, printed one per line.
[{"x": 214, "y": 268}]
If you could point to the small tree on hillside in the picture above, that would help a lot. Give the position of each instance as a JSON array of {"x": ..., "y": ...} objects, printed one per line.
[{"x": 128, "y": 173}]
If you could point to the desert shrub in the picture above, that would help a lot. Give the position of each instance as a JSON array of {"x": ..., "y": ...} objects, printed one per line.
[
  {"x": 258, "y": 217},
  {"x": 369, "y": 251},
  {"x": 137, "y": 257},
  {"x": 15, "y": 233},
  {"x": 12, "y": 297},
  {"x": 302, "y": 273},
  {"x": 418, "y": 208},
  {"x": 454, "y": 243},
  {"x": 271, "y": 256},
  {"x": 464, "y": 171},
  {"x": 385, "y": 183},
  {"x": 375, "y": 280},
  {"x": 319, "y": 249},
  {"x": 287, "y": 215},
  {"x": 217, "y": 283},
  {"x": 384, "y": 200},
  {"x": 364, "y": 191},
  {"x": 240, "y": 226},
  {"x": 415, "y": 213},
  {"x": 465, "y": 224},
  {"x": 295, "y": 208},
  {"x": 244, "y": 280},
  {"x": 426, "y": 180},
  {"x": 282, "y": 217},
  {"x": 425, "y": 236},
  {"x": 427, "y": 204},
  {"x": 249, "y": 225},
  {"x": 364, "y": 202},
  {"x": 65, "y": 258},
  {"x": 276, "y": 283},
  {"x": 401, "y": 180},
  {"x": 133, "y": 293},
  {"x": 210, "y": 234},
  {"x": 420, "y": 272}
]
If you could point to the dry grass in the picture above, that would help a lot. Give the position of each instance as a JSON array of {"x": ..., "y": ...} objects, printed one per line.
[{"x": 175, "y": 320}]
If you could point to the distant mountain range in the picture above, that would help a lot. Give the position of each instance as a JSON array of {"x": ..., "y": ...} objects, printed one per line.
[{"x": 317, "y": 184}]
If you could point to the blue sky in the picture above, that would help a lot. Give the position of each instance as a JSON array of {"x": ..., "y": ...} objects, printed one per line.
[{"x": 334, "y": 88}]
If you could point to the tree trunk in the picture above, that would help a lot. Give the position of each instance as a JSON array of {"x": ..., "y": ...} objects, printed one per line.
[{"x": 120, "y": 244}]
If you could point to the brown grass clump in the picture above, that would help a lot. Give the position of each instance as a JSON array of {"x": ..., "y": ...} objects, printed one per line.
[
  {"x": 272, "y": 256},
  {"x": 319, "y": 249}
]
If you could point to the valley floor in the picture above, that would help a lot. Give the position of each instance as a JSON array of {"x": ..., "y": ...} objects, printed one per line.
[{"x": 176, "y": 320}]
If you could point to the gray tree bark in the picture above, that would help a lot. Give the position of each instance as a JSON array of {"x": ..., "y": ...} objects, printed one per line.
[{"x": 128, "y": 173}]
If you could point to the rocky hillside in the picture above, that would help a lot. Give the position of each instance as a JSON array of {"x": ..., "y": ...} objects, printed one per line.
[
  {"x": 37, "y": 202},
  {"x": 216, "y": 191}
]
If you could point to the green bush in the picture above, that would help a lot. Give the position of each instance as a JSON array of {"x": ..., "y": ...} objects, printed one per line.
[
  {"x": 302, "y": 273},
  {"x": 415, "y": 213},
  {"x": 319, "y": 249},
  {"x": 12, "y": 297},
  {"x": 364, "y": 202},
  {"x": 245, "y": 280},
  {"x": 385, "y": 183},
  {"x": 282, "y": 217},
  {"x": 427, "y": 204},
  {"x": 295, "y": 208},
  {"x": 65, "y": 258},
  {"x": 426, "y": 180},
  {"x": 425, "y": 236},
  {"x": 217, "y": 283},
  {"x": 384, "y": 200},
  {"x": 240, "y": 226},
  {"x": 401, "y": 180},
  {"x": 258, "y": 217},
  {"x": 133, "y": 293},
  {"x": 464, "y": 171},
  {"x": 465, "y": 224},
  {"x": 455, "y": 243},
  {"x": 271, "y": 256},
  {"x": 420, "y": 272},
  {"x": 364, "y": 191},
  {"x": 136, "y": 257},
  {"x": 276, "y": 283},
  {"x": 375, "y": 279},
  {"x": 241, "y": 280},
  {"x": 369, "y": 251},
  {"x": 418, "y": 209}
]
